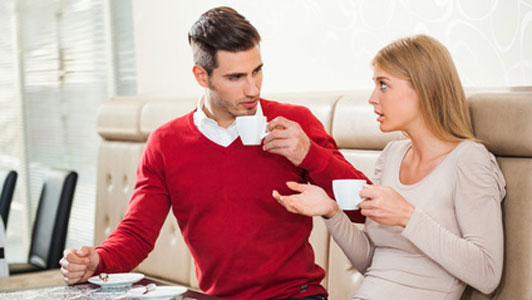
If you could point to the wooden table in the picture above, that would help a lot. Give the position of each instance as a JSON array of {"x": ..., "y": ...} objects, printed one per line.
[{"x": 32, "y": 283}]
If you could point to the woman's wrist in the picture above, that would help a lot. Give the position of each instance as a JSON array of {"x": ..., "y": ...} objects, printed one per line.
[
  {"x": 408, "y": 214},
  {"x": 332, "y": 211}
]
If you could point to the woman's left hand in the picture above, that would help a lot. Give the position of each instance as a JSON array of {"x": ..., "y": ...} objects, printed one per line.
[
  {"x": 385, "y": 206},
  {"x": 312, "y": 200}
]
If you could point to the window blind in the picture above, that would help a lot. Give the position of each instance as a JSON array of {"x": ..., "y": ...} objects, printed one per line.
[
  {"x": 65, "y": 81},
  {"x": 51, "y": 120}
]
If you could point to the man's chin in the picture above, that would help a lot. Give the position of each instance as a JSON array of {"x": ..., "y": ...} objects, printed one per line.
[{"x": 246, "y": 112}]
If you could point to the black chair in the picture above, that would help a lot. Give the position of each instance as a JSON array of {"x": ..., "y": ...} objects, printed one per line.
[
  {"x": 8, "y": 179},
  {"x": 51, "y": 222}
]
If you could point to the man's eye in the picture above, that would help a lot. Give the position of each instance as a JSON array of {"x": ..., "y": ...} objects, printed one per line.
[{"x": 234, "y": 77}]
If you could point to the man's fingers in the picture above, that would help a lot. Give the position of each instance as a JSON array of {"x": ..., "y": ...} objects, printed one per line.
[
  {"x": 70, "y": 280},
  {"x": 76, "y": 275},
  {"x": 71, "y": 267},
  {"x": 73, "y": 258},
  {"x": 66, "y": 251},
  {"x": 276, "y": 144},
  {"x": 85, "y": 251},
  {"x": 276, "y": 134},
  {"x": 279, "y": 122}
]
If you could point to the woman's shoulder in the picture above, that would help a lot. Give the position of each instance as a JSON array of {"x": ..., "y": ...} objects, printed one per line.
[
  {"x": 474, "y": 163},
  {"x": 473, "y": 152}
]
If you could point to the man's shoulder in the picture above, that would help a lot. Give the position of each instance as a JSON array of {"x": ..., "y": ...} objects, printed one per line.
[{"x": 275, "y": 108}]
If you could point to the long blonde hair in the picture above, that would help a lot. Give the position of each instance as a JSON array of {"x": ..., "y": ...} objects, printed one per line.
[{"x": 428, "y": 66}]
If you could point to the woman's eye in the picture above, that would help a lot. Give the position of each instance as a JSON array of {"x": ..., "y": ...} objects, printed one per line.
[{"x": 383, "y": 85}]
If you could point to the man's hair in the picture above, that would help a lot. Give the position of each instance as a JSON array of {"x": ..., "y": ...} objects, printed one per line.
[
  {"x": 220, "y": 28},
  {"x": 428, "y": 66}
]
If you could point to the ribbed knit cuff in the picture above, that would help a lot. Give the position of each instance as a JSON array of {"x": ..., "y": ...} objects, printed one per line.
[
  {"x": 101, "y": 266},
  {"x": 414, "y": 224},
  {"x": 337, "y": 218},
  {"x": 317, "y": 158}
]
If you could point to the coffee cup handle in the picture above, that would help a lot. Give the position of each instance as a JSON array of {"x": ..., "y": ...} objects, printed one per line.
[
  {"x": 265, "y": 133},
  {"x": 361, "y": 200}
]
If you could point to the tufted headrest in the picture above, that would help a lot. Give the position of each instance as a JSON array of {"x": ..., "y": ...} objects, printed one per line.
[{"x": 500, "y": 119}]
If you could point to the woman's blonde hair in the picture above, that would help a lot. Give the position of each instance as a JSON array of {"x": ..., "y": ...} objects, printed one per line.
[{"x": 428, "y": 66}]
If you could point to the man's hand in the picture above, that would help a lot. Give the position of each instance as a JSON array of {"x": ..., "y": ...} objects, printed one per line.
[
  {"x": 286, "y": 138},
  {"x": 79, "y": 265}
]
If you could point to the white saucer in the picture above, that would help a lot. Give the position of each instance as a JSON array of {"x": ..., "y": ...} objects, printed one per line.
[
  {"x": 117, "y": 280},
  {"x": 161, "y": 292}
]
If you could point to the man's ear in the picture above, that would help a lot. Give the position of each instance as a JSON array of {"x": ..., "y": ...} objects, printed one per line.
[{"x": 201, "y": 76}]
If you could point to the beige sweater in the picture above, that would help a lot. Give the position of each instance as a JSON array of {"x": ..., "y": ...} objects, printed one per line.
[{"x": 453, "y": 238}]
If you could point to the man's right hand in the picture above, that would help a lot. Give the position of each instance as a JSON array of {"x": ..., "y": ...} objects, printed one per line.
[{"x": 79, "y": 265}]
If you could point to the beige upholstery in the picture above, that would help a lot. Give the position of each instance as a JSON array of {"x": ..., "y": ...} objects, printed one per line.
[{"x": 501, "y": 120}]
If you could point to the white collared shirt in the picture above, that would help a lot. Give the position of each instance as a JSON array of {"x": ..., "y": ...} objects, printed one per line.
[{"x": 211, "y": 130}]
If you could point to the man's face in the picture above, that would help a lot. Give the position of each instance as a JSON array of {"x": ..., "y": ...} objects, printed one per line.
[{"x": 234, "y": 86}]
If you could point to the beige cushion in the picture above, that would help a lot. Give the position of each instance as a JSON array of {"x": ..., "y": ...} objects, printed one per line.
[
  {"x": 320, "y": 104},
  {"x": 119, "y": 119},
  {"x": 117, "y": 165},
  {"x": 355, "y": 125},
  {"x": 170, "y": 258},
  {"x": 503, "y": 121},
  {"x": 319, "y": 239},
  {"x": 157, "y": 112}
]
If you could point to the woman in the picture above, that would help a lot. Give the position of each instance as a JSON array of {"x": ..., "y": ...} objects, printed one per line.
[{"x": 434, "y": 219}]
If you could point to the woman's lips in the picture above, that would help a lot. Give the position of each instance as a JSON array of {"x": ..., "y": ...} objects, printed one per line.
[{"x": 379, "y": 116}]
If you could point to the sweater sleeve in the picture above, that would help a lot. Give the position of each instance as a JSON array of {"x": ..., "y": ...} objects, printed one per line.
[
  {"x": 134, "y": 238},
  {"x": 476, "y": 256},
  {"x": 354, "y": 242},
  {"x": 324, "y": 162}
]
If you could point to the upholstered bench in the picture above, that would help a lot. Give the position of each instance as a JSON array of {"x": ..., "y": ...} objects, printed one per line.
[{"x": 501, "y": 120}]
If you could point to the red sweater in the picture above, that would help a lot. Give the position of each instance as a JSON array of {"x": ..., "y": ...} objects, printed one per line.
[{"x": 245, "y": 245}]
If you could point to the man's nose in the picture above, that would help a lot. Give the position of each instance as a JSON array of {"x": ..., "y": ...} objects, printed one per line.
[{"x": 252, "y": 88}]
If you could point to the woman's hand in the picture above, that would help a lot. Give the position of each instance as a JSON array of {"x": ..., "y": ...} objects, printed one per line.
[
  {"x": 312, "y": 201},
  {"x": 385, "y": 206}
]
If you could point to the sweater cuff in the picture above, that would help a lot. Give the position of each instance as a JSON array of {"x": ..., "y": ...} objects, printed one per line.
[
  {"x": 317, "y": 158},
  {"x": 414, "y": 224},
  {"x": 335, "y": 220},
  {"x": 101, "y": 266}
]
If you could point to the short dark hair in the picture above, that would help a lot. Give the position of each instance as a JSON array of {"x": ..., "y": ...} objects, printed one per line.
[{"x": 220, "y": 28}]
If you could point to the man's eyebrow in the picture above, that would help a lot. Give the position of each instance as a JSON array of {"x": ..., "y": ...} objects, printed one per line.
[
  {"x": 258, "y": 68},
  {"x": 234, "y": 74},
  {"x": 238, "y": 74}
]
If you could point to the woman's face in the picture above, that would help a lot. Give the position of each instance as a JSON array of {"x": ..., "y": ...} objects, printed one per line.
[{"x": 395, "y": 102}]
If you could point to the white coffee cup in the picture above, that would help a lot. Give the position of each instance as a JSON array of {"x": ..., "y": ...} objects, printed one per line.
[
  {"x": 252, "y": 129},
  {"x": 347, "y": 193}
]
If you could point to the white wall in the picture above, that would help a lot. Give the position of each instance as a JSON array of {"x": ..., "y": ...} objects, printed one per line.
[{"x": 325, "y": 45}]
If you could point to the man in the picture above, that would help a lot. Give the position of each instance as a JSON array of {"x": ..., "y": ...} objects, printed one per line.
[{"x": 245, "y": 245}]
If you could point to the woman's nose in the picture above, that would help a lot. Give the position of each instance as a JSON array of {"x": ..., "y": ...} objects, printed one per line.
[{"x": 373, "y": 98}]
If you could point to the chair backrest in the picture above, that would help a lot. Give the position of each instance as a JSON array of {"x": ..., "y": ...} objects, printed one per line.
[
  {"x": 8, "y": 179},
  {"x": 51, "y": 222}
]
